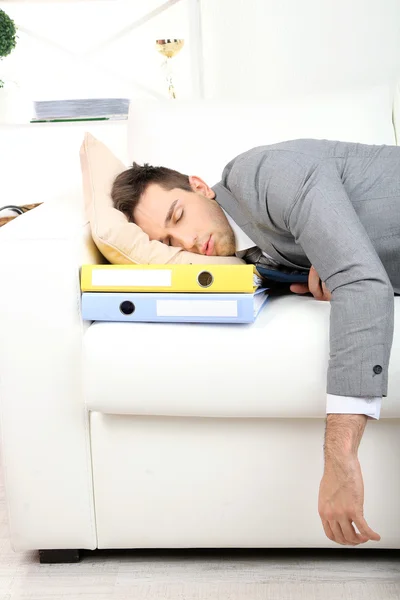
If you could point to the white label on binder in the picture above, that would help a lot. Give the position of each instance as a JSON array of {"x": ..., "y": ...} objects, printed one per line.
[
  {"x": 197, "y": 308},
  {"x": 133, "y": 278}
]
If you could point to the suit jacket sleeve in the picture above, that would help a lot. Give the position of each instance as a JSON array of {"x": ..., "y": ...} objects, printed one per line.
[
  {"x": 323, "y": 221},
  {"x": 291, "y": 192}
]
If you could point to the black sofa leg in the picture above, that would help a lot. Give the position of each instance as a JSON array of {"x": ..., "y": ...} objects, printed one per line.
[{"x": 59, "y": 556}]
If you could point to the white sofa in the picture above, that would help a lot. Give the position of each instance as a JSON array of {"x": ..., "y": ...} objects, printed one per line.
[{"x": 124, "y": 435}]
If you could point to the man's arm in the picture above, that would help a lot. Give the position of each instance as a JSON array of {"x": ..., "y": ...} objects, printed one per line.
[
  {"x": 341, "y": 494},
  {"x": 291, "y": 192},
  {"x": 301, "y": 195},
  {"x": 323, "y": 221},
  {"x": 343, "y": 435},
  {"x": 339, "y": 526},
  {"x": 371, "y": 407}
]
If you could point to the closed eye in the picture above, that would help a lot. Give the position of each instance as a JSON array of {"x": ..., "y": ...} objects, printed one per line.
[{"x": 178, "y": 217}]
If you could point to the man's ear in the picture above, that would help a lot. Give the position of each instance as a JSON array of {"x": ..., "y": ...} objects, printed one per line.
[{"x": 200, "y": 186}]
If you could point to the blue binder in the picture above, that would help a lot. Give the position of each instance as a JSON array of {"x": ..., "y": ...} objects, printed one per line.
[{"x": 171, "y": 307}]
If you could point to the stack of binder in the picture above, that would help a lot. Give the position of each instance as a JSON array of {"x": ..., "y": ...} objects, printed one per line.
[{"x": 172, "y": 293}]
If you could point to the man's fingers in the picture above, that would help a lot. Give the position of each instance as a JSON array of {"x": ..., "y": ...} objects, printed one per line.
[
  {"x": 299, "y": 288},
  {"x": 337, "y": 532},
  {"x": 345, "y": 534},
  {"x": 315, "y": 286},
  {"x": 328, "y": 530},
  {"x": 314, "y": 283},
  {"x": 342, "y": 532},
  {"x": 366, "y": 530},
  {"x": 350, "y": 534},
  {"x": 327, "y": 294}
]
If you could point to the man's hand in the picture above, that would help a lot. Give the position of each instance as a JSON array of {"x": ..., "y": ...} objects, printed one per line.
[
  {"x": 315, "y": 286},
  {"x": 341, "y": 493}
]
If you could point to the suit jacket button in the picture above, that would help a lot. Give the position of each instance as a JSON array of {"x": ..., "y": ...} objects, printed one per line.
[{"x": 377, "y": 369}]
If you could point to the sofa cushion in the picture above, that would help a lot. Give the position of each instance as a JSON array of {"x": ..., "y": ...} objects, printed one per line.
[
  {"x": 200, "y": 138},
  {"x": 120, "y": 241},
  {"x": 396, "y": 113},
  {"x": 273, "y": 368}
]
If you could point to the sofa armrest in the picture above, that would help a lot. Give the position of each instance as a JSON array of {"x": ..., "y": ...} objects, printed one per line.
[{"x": 44, "y": 437}]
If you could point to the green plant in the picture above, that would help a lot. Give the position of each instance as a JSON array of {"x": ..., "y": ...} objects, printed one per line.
[{"x": 8, "y": 36}]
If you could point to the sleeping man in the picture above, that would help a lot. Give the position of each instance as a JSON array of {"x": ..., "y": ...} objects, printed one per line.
[{"x": 332, "y": 210}]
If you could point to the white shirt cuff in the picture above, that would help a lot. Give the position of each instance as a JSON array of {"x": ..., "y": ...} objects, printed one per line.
[{"x": 350, "y": 405}]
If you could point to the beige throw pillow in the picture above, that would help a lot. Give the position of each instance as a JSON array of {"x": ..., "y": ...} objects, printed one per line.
[{"x": 120, "y": 241}]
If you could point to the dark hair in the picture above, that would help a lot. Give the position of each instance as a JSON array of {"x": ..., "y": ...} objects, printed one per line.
[{"x": 129, "y": 185}]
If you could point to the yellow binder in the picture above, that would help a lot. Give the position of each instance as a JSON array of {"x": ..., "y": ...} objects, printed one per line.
[{"x": 241, "y": 279}]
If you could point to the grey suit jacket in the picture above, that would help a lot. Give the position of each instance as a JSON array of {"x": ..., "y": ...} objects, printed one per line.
[{"x": 335, "y": 206}]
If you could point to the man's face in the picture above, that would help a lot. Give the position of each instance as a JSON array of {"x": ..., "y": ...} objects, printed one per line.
[{"x": 190, "y": 220}]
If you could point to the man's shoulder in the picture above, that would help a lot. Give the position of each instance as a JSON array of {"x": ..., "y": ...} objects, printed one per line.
[
  {"x": 313, "y": 149},
  {"x": 303, "y": 152},
  {"x": 307, "y": 146}
]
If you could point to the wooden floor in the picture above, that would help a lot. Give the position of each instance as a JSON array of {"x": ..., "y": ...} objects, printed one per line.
[{"x": 350, "y": 574}]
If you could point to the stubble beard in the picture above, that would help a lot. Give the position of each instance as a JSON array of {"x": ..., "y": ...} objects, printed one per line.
[{"x": 227, "y": 245}]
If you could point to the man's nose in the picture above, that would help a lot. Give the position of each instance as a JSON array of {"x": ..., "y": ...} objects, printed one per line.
[{"x": 189, "y": 242}]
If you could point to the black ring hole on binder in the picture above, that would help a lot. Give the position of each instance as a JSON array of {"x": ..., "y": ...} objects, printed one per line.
[
  {"x": 127, "y": 307},
  {"x": 205, "y": 279}
]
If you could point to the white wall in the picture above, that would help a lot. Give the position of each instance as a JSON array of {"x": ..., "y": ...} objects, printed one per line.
[
  {"x": 262, "y": 48},
  {"x": 59, "y": 51},
  {"x": 251, "y": 48}
]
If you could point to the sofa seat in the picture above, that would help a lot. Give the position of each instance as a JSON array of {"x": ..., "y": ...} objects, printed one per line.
[{"x": 273, "y": 368}]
